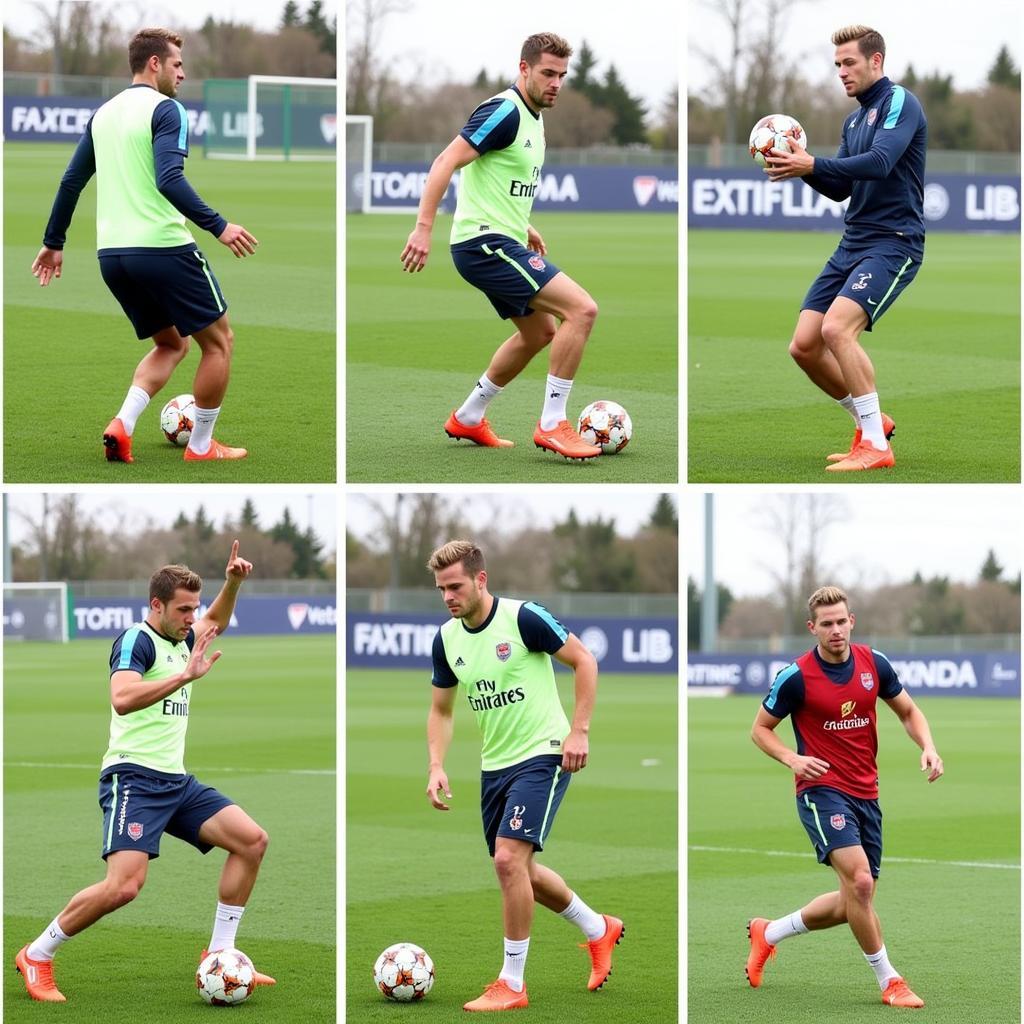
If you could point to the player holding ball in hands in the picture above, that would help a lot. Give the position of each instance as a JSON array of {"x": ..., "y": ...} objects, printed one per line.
[
  {"x": 831, "y": 692},
  {"x": 880, "y": 168},
  {"x": 500, "y": 153},
  {"x": 144, "y": 790},
  {"x": 136, "y": 144}
]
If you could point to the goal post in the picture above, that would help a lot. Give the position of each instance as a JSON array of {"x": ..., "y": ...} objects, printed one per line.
[
  {"x": 37, "y": 611},
  {"x": 359, "y": 177}
]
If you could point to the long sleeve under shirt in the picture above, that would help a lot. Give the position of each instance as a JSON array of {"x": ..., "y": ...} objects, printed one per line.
[
  {"x": 169, "y": 138},
  {"x": 880, "y": 167}
]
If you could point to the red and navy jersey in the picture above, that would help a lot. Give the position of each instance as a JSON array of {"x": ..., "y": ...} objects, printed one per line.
[{"x": 833, "y": 713}]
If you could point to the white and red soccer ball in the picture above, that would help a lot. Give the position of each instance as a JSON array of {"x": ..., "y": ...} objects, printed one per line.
[
  {"x": 775, "y": 132},
  {"x": 607, "y": 425},
  {"x": 403, "y": 972},
  {"x": 226, "y": 977},
  {"x": 177, "y": 418}
]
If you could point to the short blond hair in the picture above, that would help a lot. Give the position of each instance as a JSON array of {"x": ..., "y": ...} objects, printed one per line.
[
  {"x": 867, "y": 39},
  {"x": 164, "y": 582},
  {"x": 455, "y": 551},
  {"x": 823, "y": 597},
  {"x": 544, "y": 42}
]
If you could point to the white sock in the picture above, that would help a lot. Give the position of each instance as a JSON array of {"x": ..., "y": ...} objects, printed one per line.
[
  {"x": 871, "y": 420},
  {"x": 131, "y": 408},
  {"x": 880, "y": 965},
  {"x": 225, "y": 926},
  {"x": 556, "y": 394},
  {"x": 850, "y": 406},
  {"x": 474, "y": 408},
  {"x": 514, "y": 965},
  {"x": 785, "y": 928},
  {"x": 592, "y": 924},
  {"x": 202, "y": 430},
  {"x": 45, "y": 947}
]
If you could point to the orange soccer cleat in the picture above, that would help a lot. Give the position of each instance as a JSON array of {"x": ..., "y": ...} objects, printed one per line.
[
  {"x": 117, "y": 445},
  {"x": 498, "y": 996},
  {"x": 38, "y": 978},
  {"x": 258, "y": 979},
  {"x": 888, "y": 428},
  {"x": 216, "y": 451},
  {"x": 897, "y": 993},
  {"x": 760, "y": 950},
  {"x": 601, "y": 952},
  {"x": 864, "y": 456},
  {"x": 563, "y": 440},
  {"x": 481, "y": 434}
]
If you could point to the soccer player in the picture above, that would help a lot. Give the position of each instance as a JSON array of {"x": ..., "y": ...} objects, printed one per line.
[
  {"x": 500, "y": 153},
  {"x": 499, "y": 652},
  {"x": 144, "y": 790},
  {"x": 831, "y": 693},
  {"x": 136, "y": 144},
  {"x": 880, "y": 168}
]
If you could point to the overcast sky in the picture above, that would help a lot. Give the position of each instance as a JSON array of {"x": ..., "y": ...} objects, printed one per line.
[
  {"x": 162, "y": 505},
  {"x": 887, "y": 535},
  {"x": 953, "y": 38}
]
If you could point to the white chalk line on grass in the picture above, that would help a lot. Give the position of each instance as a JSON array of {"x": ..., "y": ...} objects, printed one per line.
[
  {"x": 240, "y": 771},
  {"x": 885, "y": 860}
]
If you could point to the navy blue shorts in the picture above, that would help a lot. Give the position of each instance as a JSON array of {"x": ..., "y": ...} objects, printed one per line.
[
  {"x": 160, "y": 290},
  {"x": 520, "y": 802},
  {"x": 139, "y": 805},
  {"x": 508, "y": 273},
  {"x": 873, "y": 278},
  {"x": 834, "y": 819}
]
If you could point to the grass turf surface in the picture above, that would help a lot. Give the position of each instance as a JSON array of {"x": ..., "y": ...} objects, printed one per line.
[
  {"x": 953, "y": 930},
  {"x": 416, "y": 875},
  {"x": 262, "y": 731},
  {"x": 423, "y": 340},
  {"x": 947, "y": 358},
  {"x": 69, "y": 350}
]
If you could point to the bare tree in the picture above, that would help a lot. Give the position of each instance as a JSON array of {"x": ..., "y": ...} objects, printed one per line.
[{"x": 365, "y": 21}]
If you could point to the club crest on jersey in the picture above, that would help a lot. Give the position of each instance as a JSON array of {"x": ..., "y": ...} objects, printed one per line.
[
  {"x": 516, "y": 822},
  {"x": 503, "y": 650},
  {"x": 872, "y": 116},
  {"x": 838, "y": 821},
  {"x": 135, "y": 830},
  {"x": 537, "y": 263},
  {"x": 867, "y": 680},
  {"x": 847, "y": 709}
]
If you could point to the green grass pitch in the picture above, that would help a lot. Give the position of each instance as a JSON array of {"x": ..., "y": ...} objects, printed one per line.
[
  {"x": 419, "y": 875},
  {"x": 416, "y": 344},
  {"x": 947, "y": 358},
  {"x": 262, "y": 731},
  {"x": 69, "y": 350},
  {"x": 951, "y": 927}
]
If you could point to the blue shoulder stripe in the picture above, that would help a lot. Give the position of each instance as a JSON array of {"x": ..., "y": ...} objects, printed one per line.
[
  {"x": 773, "y": 695},
  {"x": 500, "y": 113},
  {"x": 556, "y": 627},
  {"x": 127, "y": 646},
  {"x": 183, "y": 130},
  {"x": 898, "y": 96}
]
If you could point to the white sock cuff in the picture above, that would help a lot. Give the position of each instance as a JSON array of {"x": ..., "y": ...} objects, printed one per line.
[
  {"x": 516, "y": 946},
  {"x": 226, "y": 911},
  {"x": 489, "y": 388},
  {"x": 559, "y": 382}
]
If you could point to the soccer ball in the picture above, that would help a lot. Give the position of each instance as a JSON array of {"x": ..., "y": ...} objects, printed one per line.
[
  {"x": 607, "y": 425},
  {"x": 774, "y": 132},
  {"x": 225, "y": 977},
  {"x": 403, "y": 972},
  {"x": 177, "y": 418}
]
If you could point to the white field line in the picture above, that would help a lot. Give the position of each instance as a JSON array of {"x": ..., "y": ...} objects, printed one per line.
[
  {"x": 211, "y": 771},
  {"x": 885, "y": 860}
]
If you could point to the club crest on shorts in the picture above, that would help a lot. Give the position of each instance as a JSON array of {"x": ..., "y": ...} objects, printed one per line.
[
  {"x": 516, "y": 822},
  {"x": 838, "y": 821},
  {"x": 503, "y": 650},
  {"x": 135, "y": 830},
  {"x": 867, "y": 680},
  {"x": 537, "y": 263}
]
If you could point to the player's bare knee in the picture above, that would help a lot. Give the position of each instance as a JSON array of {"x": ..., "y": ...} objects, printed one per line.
[
  {"x": 836, "y": 335},
  {"x": 123, "y": 892},
  {"x": 258, "y": 847},
  {"x": 863, "y": 887},
  {"x": 586, "y": 312},
  {"x": 506, "y": 864}
]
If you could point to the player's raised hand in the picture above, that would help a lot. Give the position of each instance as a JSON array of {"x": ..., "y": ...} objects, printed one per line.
[
  {"x": 238, "y": 568},
  {"x": 808, "y": 768},
  {"x": 198, "y": 664},
  {"x": 780, "y": 165},
  {"x": 932, "y": 763},
  {"x": 417, "y": 249},
  {"x": 534, "y": 241},
  {"x": 47, "y": 265},
  {"x": 238, "y": 240},
  {"x": 437, "y": 786},
  {"x": 574, "y": 752}
]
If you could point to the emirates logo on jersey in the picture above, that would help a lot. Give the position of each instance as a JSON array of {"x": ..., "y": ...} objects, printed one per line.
[{"x": 847, "y": 709}]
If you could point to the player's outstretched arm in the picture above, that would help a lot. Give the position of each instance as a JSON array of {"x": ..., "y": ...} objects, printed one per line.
[
  {"x": 763, "y": 735},
  {"x": 130, "y": 692},
  {"x": 439, "y": 738},
  {"x": 918, "y": 730},
  {"x": 456, "y": 154},
  {"x": 220, "y": 611},
  {"x": 576, "y": 748}
]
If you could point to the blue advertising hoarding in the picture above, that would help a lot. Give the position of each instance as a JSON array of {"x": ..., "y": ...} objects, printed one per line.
[
  {"x": 396, "y": 640},
  {"x": 730, "y": 197},
  {"x": 951, "y": 673}
]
